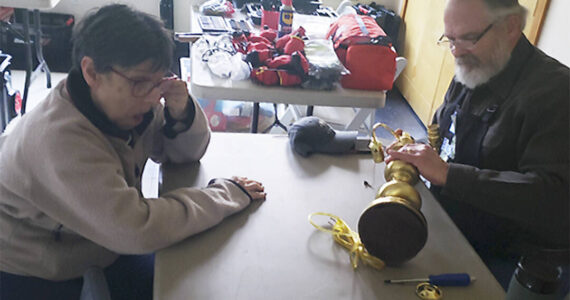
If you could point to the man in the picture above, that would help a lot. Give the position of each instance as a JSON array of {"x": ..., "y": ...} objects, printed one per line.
[
  {"x": 70, "y": 171},
  {"x": 504, "y": 166}
]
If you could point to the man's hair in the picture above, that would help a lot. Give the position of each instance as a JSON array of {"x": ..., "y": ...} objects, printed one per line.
[
  {"x": 502, "y": 8},
  {"x": 119, "y": 35}
]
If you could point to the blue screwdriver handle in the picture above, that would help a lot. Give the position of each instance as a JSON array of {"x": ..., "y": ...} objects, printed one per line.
[{"x": 450, "y": 279}]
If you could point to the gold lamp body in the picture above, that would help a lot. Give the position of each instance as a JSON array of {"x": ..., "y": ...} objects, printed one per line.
[{"x": 392, "y": 226}]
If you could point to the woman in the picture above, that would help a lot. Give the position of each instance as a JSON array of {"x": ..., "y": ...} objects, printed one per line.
[{"x": 70, "y": 172}]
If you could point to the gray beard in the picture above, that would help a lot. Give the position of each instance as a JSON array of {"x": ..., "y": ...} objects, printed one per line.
[{"x": 471, "y": 72}]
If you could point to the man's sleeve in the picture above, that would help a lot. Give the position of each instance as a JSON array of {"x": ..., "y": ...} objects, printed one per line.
[{"x": 536, "y": 195}]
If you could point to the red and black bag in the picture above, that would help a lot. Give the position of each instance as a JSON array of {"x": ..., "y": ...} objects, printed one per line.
[{"x": 365, "y": 50}]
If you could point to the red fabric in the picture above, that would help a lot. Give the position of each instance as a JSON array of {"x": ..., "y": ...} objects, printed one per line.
[
  {"x": 229, "y": 11},
  {"x": 278, "y": 61},
  {"x": 257, "y": 46},
  {"x": 270, "y": 18},
  {"x": 240, "y": 43},
  {"x": 269, "y": 34},
  {"x": 265, "y": 76},
  {"x": 295, "y": 64},
  {"x": 280, "y": 43},
  {"x": 288, "y": 79},
  {"x": 258, "y": 39},
  {"x": 18, "y": 103},
  {"x": 264, "y": 54},
  {"x": 367, "y": 55},
  {"x": 346, "y": 30},
  {"x": 258, "y": 57},
  {"x": 341, "y": 54},
  {"x": 216, "y": 119},
  {"x": 287, "y": 69},
  {"x": 372, "y": 67},
  {"x": 294, "y": 44},
  {"x": 299, "y": 31}
]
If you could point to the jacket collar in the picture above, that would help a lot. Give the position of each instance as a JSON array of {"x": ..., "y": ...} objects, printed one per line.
[
  {"x": 502, "y": 83},
  {"x": 80, "y": 96}
]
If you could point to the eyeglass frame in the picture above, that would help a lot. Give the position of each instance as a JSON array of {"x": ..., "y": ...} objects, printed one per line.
[
  {"x": 135, "y": 82},
  {"x": 219, "y": 45},
  {"x": 453, "y": 42}
]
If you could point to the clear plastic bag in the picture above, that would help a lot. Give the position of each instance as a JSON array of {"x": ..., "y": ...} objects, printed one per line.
[
  {"x": 221, "y": 57},
  {"x": 220, "y": 63},
  {"x": 324, "y": 66},
  {"x": 240, "y": 68}
]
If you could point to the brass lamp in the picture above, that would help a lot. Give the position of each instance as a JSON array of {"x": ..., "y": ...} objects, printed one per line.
[
  {"x": 392, "y": 227},
  {"x": 433, "y": 136}
]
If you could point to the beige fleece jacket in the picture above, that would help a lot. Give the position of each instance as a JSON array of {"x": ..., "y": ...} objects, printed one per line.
[{"x": 70, "y": 195}]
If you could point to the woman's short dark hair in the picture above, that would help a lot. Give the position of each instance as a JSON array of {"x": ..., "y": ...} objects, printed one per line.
[{"x": 119, "y": 35}]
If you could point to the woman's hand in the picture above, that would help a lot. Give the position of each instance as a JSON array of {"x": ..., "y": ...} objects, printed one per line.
[
  {"x": 175, "y": 94},
  {"x": 423, "y": 157},
  {"x": 254, "y": 188}
]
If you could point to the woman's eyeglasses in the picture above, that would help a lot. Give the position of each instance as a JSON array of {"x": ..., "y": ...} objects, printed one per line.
[{"x": 141, "y": 88}]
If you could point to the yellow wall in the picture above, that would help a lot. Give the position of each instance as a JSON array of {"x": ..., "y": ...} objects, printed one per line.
[{"x": 425, "y": 77}]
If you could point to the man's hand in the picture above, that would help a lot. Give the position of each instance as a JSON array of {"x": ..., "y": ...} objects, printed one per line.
[
  {"x": 423, "y": 157},
  {"x": 254, "y": 188},
  {"x": 175, "y": 94}
]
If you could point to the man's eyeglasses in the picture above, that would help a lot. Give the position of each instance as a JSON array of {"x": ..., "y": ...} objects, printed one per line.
[
  {"x": 141, "y": 88},
  {"x": 464, "y": 43}
]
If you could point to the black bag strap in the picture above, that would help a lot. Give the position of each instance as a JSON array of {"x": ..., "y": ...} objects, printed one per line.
[{"x": 382, "y": 41}]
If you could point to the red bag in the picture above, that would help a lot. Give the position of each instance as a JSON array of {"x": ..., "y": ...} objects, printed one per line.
[
  {"x": 365, "y": 50},
  {"x": 265, "y": 76}
]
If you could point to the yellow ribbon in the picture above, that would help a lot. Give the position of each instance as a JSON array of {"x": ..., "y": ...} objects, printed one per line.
[{"x": 350, "y": 240}]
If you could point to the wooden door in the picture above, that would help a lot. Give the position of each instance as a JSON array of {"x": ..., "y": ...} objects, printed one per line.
[
  {"x": 535, "y": 18},
  {"x": 430, "y": 67},
  {"x": 423, "y": 21}
]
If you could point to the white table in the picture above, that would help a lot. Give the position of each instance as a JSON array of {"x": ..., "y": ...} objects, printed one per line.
[
  {"x": 30, "y": 4},
  {"x": 208, "y": 86},
  {"x": 270, "y": 251}
]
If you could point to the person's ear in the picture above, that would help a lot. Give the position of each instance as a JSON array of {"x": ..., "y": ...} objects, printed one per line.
[
  {"x": 88, "y": 70},
  {"x": 514, "y": 27}
]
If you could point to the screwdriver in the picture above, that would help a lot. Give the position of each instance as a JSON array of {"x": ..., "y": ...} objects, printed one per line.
[{"x": 448, "y": 279}]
